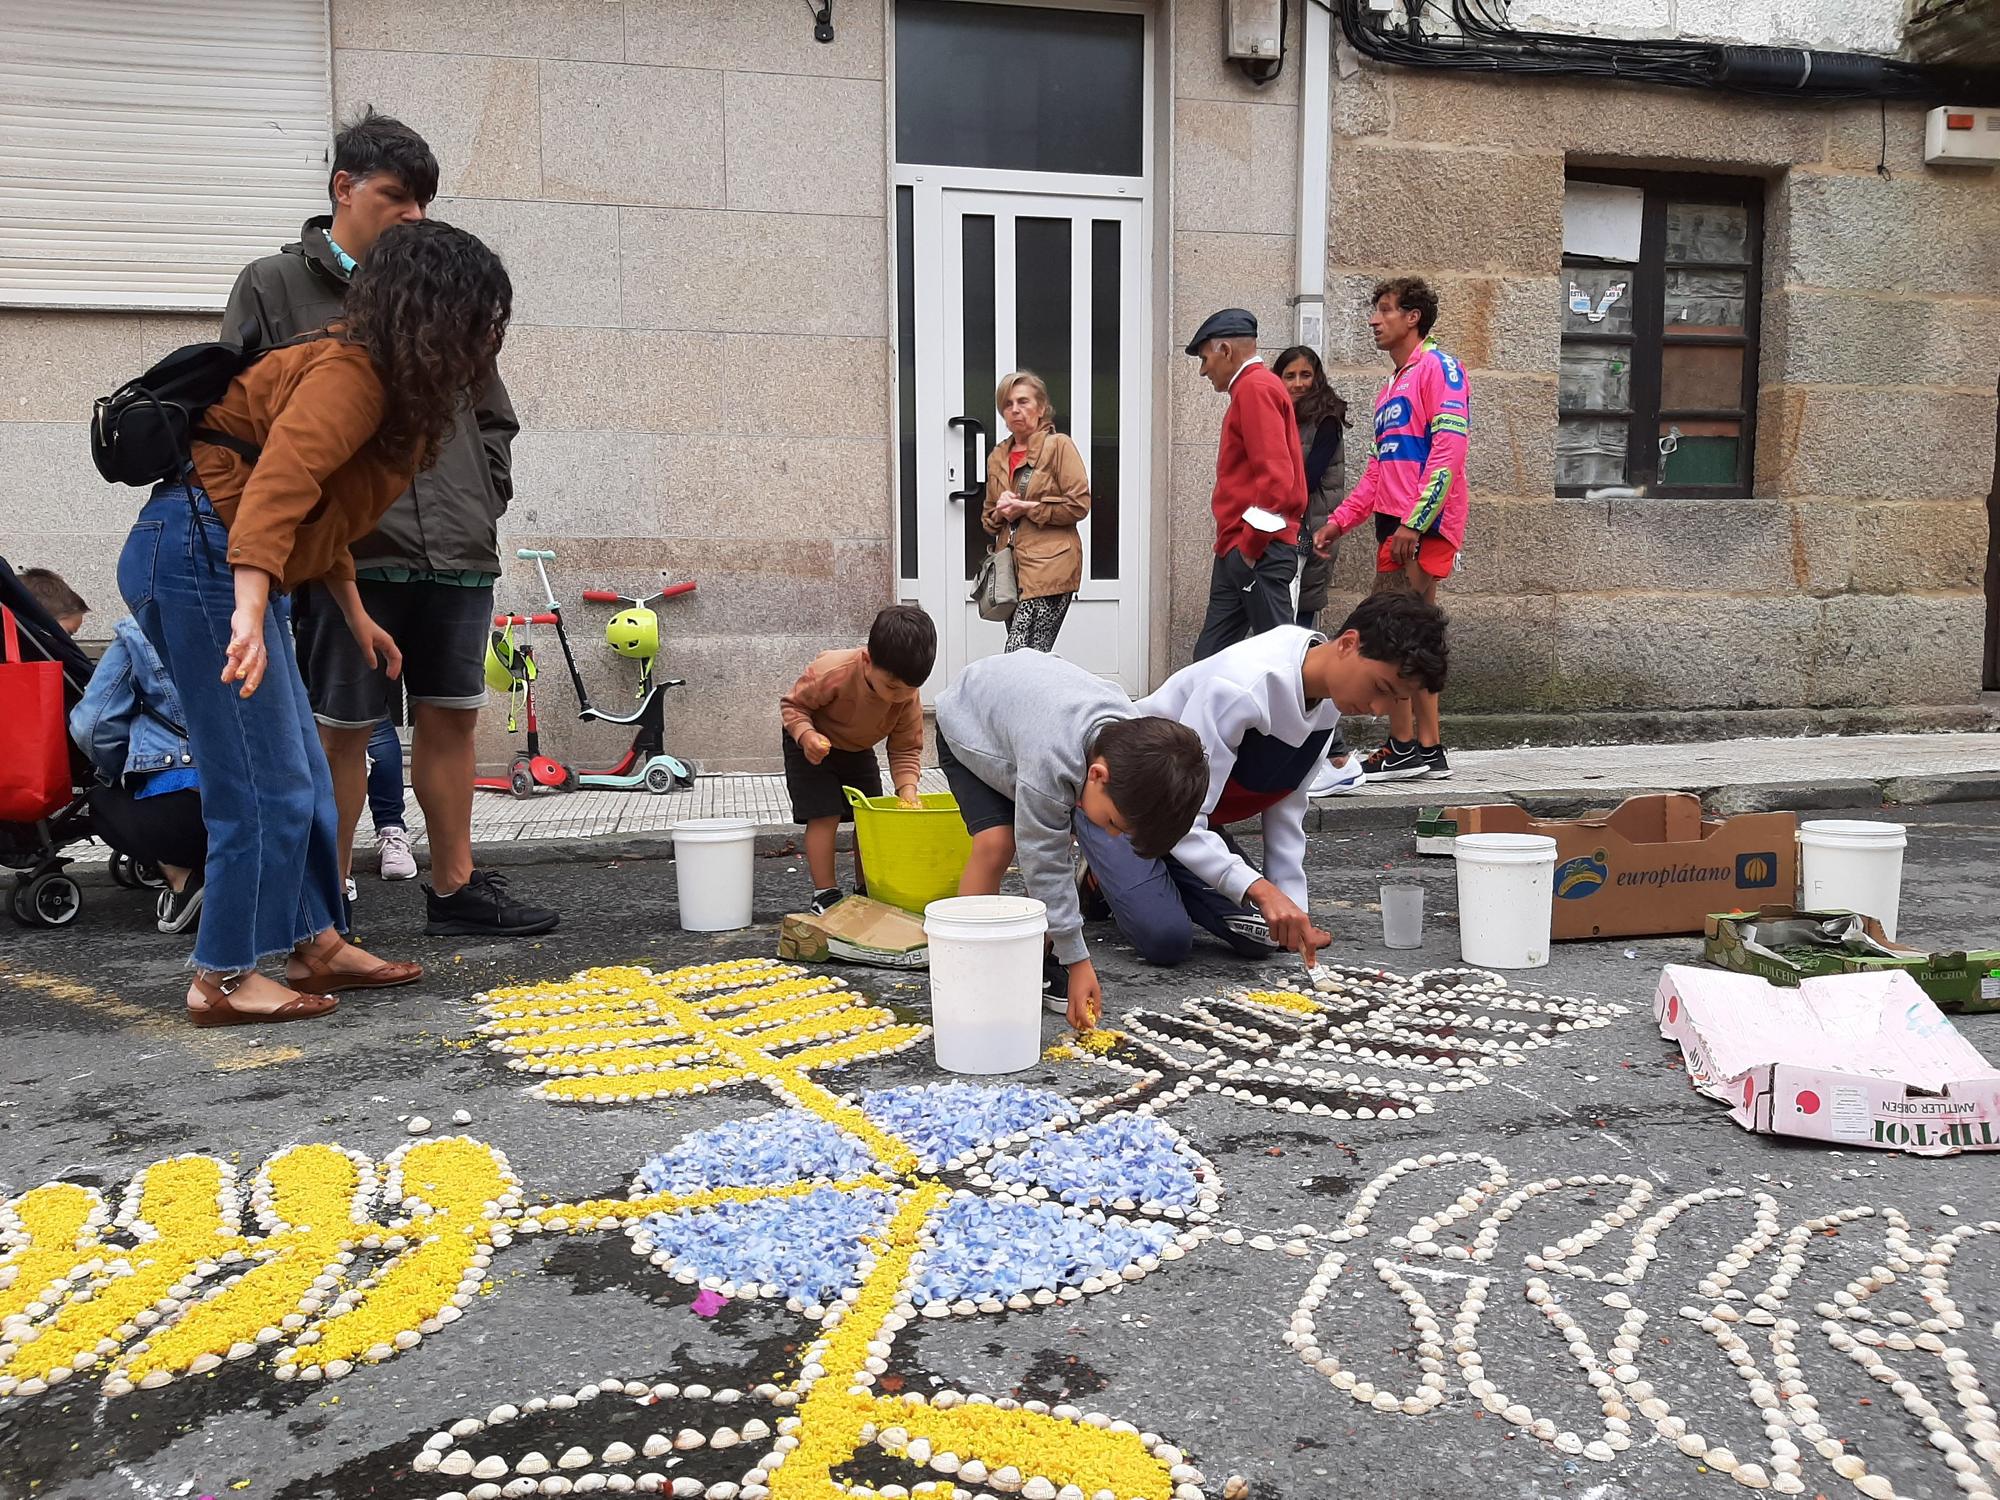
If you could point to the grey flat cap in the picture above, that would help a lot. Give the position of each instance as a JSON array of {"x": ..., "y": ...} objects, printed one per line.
[{"x": 1230, "y": 323}]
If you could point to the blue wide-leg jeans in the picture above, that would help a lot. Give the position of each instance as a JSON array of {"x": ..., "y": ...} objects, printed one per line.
[{"x": 273, "y": 873}]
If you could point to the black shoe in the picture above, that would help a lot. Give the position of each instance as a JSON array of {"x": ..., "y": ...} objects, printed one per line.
[
  {"x": 1397, "y": 760},
  {"x": 177, "y": 911},
  {"x": 826, "y": 900},
  {"x": 1436, "y": 767},
  {"x": 1253, "y": 932},
  {"x": 1090, "y": 895},
  {"x": 1055, "y": 985},
  {"x": 482, "y": 909}
]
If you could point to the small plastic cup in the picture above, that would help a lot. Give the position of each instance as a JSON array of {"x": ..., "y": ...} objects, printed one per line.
[{"x": 1402, "y": 916}]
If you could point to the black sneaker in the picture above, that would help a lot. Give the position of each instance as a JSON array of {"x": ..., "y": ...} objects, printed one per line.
[
  {"x": 483, "y": 909},
  {"x": 1397, "y": 760},
  {"x": 1090, "y": 895},
  {"x": 1055, "y": 986},
  {"x": 825, "y": 901},
  {"x": 1436, "y": 767},
  {"x": 1253, "y": 929},
  {"x": 177, "y": 911}
]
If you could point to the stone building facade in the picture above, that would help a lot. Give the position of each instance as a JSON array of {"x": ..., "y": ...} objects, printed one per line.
[{"x": 707, "y": 215}]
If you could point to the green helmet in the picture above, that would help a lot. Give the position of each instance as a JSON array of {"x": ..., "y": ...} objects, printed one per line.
[
  {"x": 506, "y": 666},
  {"x": 635, "y": 633}
]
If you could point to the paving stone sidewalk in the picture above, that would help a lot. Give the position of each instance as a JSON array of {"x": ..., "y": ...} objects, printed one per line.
[{"x": 1732, "y": 775}]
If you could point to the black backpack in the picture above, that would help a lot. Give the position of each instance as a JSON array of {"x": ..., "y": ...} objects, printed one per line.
[{"x": 139, "y": 434}]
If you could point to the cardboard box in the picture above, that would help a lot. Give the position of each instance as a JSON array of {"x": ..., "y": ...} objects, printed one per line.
[
  {"x": 857, "y": 931},
  {"x": 1785, "y": 945},
  {"x": 1652, "y": 864},
  {"x": 1849, "y": 1059}
]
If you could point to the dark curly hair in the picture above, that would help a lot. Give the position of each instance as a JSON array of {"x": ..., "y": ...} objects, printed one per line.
[
  {"x": 430, "y": 304},
  {"x": 1412, "y": 294},
  {"x": 1405, "y": 631},
  {"x": 1321, "y": 403}
]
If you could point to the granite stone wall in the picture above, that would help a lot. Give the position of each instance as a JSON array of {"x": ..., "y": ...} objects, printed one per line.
[{"x": 1846, "y": 592}]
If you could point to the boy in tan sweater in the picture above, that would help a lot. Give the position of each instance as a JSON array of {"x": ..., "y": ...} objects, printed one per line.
[{"x": 840, "y": 709}]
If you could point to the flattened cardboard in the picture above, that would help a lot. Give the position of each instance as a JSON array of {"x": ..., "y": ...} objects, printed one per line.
[
  {"x": 857, "y": 931},
  {"x": 1849, "y": 1059},
  {"x": 1966, "y": 981},
  {"x": 1651, "y": 865}
]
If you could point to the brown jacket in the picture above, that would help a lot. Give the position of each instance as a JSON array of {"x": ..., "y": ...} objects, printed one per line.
[
  {"x": 320, "y": 481},
  {"x": 1048, "y": 554}
]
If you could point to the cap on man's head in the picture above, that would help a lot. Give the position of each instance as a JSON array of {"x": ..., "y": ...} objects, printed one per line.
[{"x": 1230, "y": 323}]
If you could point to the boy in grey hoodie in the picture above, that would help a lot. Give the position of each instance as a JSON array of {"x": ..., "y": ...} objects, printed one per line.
[{"x": 1027, "y": 741}]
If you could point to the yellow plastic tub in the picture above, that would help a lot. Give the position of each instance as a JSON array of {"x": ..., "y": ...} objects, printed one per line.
[{"x": 912, "y": 857}]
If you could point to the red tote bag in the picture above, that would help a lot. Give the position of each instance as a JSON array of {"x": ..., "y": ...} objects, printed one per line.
[{"x": 34, "y": 766}]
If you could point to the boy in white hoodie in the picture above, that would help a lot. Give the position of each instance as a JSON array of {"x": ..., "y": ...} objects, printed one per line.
[{"x": 1265, "y": 709}]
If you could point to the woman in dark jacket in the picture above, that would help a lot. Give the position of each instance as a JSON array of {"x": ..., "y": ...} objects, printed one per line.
[{"x": 1322, "y": 416}]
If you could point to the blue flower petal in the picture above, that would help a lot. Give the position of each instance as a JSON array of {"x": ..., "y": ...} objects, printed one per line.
[
  {"x": 945, "y": 1120},
  {"x": 1126, "y": 1156},
  {"x": 790, "y": 1146},
  {"x": 811, "y": 1246},
  {"x": 989, "y": 1249}
]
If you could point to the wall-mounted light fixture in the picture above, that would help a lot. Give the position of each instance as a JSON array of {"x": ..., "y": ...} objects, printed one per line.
[
  {"x": 822, "y": 19},
  {"x": 1254, "y": 38}
]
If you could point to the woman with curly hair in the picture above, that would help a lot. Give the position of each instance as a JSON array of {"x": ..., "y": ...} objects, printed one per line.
[{"x": 311, "y": 444}]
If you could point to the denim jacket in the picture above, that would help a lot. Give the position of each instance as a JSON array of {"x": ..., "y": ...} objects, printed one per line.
[{"x": 109, "y": 726}]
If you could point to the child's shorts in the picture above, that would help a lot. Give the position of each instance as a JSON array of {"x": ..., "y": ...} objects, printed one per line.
[
  {"x": 816, "y": 789},
  {"x": 1435, "y": 555},
  {"x": 980, "y": 806}
]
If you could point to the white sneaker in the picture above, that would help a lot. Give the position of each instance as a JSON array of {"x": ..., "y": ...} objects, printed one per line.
[
  {"x": 398, "y": 863},
  {"x": 1338, "y": 781}
]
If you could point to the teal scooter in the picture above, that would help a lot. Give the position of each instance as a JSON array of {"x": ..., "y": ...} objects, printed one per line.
[{"x": 634, "y": 633}]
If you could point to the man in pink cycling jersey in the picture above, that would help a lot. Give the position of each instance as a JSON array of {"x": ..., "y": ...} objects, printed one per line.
[{"x": 1414, "y": 486}]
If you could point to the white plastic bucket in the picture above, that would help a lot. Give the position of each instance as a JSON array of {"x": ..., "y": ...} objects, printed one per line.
[
  {"x": 714, "y": 862},
  {"x": 986, "y": 982},
  {"x": 1506, "y": 898},
  {"x": 1849, "y": 865}
]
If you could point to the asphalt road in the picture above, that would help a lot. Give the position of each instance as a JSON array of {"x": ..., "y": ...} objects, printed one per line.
[{"x": 100, "y": 1076}]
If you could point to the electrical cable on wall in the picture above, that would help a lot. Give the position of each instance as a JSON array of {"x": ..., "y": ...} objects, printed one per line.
[{"x": 1486, "y": 41}]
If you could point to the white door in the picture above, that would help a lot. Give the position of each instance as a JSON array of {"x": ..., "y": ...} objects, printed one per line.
[{"x": 1057, "y": 284}]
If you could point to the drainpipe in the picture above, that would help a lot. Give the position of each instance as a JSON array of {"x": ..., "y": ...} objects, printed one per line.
[{"x": 1315, "y": 146}]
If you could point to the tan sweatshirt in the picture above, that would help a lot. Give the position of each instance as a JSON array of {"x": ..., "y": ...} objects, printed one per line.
[{"x": 833, "y": 697}]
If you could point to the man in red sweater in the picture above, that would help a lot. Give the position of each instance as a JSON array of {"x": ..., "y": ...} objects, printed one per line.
[{"x": 1260, "y": 487}]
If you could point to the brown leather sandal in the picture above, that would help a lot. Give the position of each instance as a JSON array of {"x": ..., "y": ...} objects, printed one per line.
[
  {"x": 386, "y": 975},
  {"x": 216, "y": 1010}
]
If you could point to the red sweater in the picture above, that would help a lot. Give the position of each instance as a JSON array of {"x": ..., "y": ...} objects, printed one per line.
[{"x": 1258, "y": 463}]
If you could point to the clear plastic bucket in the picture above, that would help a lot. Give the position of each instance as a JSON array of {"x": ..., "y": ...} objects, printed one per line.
[
  {"x": 1402, "y": 916},
  {"x": 715, "y": 861},
  {"x": 1850, "y": 865},
  {"x": 986, "y": 982},
  {"x": 1506, "y": 898}
]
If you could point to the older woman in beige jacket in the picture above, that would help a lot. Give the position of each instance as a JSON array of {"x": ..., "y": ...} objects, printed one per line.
[{"x": 1036, "y": 492}]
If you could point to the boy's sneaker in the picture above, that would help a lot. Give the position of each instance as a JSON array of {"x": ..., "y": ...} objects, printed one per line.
[
  {"x": 177, "y": 911},
  {"x": 1397, "y": 760},
  {"x": 1437, "y": 768},
  {"x": 484, "y": 909},
  {"x": 1251, "y": 927},
  {"x": 826, "y": 900},
  {"x": 1089, "y": 894},
  {"x": 398, "y": 863},
  {"x": 1055, "y": 986},
  {"x": 1338, "y": 781}
]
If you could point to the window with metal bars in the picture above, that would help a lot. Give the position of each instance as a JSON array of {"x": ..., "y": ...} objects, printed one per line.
[{"x": 1658, "y": 374}]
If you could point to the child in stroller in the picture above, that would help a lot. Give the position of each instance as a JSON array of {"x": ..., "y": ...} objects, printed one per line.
[{"x": 132, "y": 778}]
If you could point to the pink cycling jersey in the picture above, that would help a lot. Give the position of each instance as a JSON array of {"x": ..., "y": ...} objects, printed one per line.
[{"x": 1417, "y": 471}]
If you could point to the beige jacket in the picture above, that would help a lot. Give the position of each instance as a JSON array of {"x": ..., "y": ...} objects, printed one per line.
[{"x": 1048, "y": 555}]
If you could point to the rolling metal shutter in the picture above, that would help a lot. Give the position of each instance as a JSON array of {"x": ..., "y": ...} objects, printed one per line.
[{"x": 150, "y": 148}]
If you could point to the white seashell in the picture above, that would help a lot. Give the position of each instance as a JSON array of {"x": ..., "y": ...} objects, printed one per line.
[
  {"x": 533, "y": 1463},
  {"x": 574, "y": 1458},
  {"x": 461, "y": 1117},
  {"x": 417, "y": 1125},
  {"x": 655, "y": 1445},
  {"x": 493, "y": 1466},
  {"x": 618, "y": 1453},
  {"x": 458, "y": 1461}
]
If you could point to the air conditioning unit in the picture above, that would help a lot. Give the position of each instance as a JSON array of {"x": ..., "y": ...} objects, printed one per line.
[{"x": 1962, "y": 137}]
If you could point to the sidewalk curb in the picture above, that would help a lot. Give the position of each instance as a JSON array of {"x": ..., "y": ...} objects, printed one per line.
[{"x": 1370, "y": 813}]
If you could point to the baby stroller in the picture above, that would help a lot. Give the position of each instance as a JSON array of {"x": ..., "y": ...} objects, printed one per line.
[{"x": 43, "y": 895}]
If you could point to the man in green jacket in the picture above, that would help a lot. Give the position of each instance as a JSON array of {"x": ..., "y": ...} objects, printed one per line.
[{"x": 427, "y": 572}]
